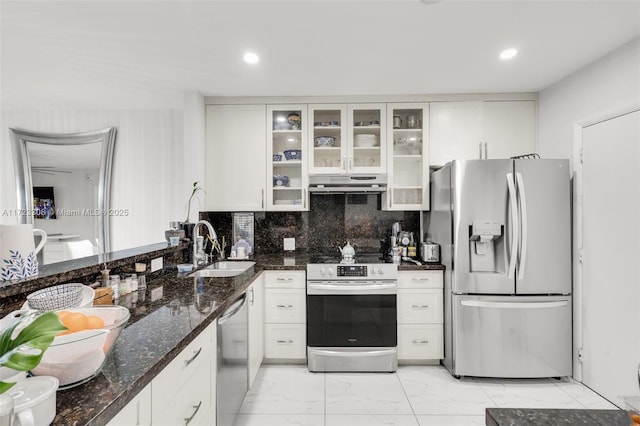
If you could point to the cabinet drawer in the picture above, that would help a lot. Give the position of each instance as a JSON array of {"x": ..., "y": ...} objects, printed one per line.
[
  {"x": 137, "y": 412},
  {"x": 285, "y": 341},
  {"x": 196, "y": 357},
  {"x": 420, "y": 306},
  {"x": 420, "y": 341},
  {"x": 284, "y": 305},
  {"x": 191, "y": 401},
  {"x": 285, "y": 279},
  {"x": 420, "y": 279}
]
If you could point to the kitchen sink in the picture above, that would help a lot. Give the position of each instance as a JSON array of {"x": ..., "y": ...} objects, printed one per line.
[{"x": 224, "y": 269}]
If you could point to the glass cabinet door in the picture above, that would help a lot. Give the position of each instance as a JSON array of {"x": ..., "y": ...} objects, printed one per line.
[
  {"x": 366, "y": 138},
  {"x": 287, "y": 180},
  {"x": 407, "y": 152},
  {"x": 327, "y": 138}
]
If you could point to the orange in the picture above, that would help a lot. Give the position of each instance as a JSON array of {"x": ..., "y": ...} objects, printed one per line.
[
  {"x": 95, "y": 321},
  {"x": 75, "y": 321},
  {"x": 62, "y": 314}
]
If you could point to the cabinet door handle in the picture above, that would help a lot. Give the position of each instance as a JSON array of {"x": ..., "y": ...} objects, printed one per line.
[
  {"x": 390, "y": 197},
  {"x": 284, "y": 279},
  {"x": 350, "y": 163},
  {"x": 419, "y": 279},
  {"x": 252, "y": 296},
  {"x": 480, "y": 150},
  {"x": 284, "y": 306},
  {"x": 304, "y": 198},
  {"x": 344, "y": 163},
  {"x": 420, "y": 342},
  {"x": 287, "y": 342},
  {"x": 262, "y": 195},
  {"x": 485, "y": 151},
  {"x": 187, "y": 420},
  {"x": 420, "y": 306},
  {"x": 195, "y": 355}
]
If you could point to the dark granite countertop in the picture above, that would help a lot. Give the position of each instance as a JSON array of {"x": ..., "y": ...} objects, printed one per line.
[
  {"x": 159, "y": 328},
  {"x": 552, "y": 416}
]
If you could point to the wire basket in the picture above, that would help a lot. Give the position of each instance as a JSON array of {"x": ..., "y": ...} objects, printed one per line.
[{"x": 62, "y": 296}]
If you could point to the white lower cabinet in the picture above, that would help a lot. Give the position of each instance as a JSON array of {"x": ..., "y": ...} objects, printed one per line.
[
  {"x": 255, "y": 293},
  {"x": 184, "y": 392},
  {"x": 285, "y": 334},
  {"x": 420, "y": 316},
  {"x": 137, "y": 412}
]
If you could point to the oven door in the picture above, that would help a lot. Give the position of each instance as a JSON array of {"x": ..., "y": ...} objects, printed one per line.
[{"x": 344, "y": 315}]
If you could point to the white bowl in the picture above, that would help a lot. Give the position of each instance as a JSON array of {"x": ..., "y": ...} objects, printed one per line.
[
  {"x": 88, "y": 294},
  {"x": 34, "y": 401}
]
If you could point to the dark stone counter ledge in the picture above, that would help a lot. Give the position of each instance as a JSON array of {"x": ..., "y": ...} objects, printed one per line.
[{"x": 550, "y": 416}]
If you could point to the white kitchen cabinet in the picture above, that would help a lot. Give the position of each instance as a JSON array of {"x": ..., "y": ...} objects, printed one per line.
[
  {"x": 327, "y": 121},
  {"x": 477, "y": 129},
  {"x": 360, "y": 138},
  {"x": 185, "y": 389},
  {"x": 235, "y": 167},
  {"x": 137, "y": 412},
  {"x": 407, "y": 157},
  {"x": 255, "y": 293},
  {"x": 287, "y": 174},
  {"x": 420, "y": 316},
  {"x": 367, "y": 138},
  {"x": 509, "y": 128},
  {"x": 285, "y": 316}
]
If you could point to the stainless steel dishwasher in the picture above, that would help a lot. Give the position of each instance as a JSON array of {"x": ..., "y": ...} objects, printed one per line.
[{"x": 232, "y": 380}]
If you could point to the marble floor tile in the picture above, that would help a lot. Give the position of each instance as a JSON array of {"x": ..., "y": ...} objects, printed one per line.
[
  {"x": 285, "y": 390},
  {"x": 371, "y": 420},
  {"x": 435, "y": 420},
  {"x": 432, "y": 390},
  {"x": 527, "y": 393},
  {"x": 372, "y": 393},
  {"x": 585, "y": 396},
  {"x": 280, "y": 420}
]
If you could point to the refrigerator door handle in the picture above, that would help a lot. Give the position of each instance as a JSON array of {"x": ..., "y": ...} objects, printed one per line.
[
  {"x": 523, "y": 217},
  {"x": 515, "y": 225},
  {"x": 513, "y": 305}
]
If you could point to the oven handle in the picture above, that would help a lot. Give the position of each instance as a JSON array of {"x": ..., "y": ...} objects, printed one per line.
[
  {"x": 357, "y": 354},
  {"x": 381, "y": 288}
]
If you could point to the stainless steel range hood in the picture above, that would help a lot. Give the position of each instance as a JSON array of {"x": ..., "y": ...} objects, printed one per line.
[{"x": 337, "y": 184}]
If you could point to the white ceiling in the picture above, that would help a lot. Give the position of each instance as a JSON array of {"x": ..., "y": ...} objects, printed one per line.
[{"x": 146, "y": 54}]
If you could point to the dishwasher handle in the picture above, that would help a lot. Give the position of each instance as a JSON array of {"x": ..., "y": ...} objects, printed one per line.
[{"x": 233, "y": 309}]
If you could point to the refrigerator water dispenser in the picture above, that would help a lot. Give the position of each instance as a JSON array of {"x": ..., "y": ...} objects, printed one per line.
[{"x": 484, "y": 236}]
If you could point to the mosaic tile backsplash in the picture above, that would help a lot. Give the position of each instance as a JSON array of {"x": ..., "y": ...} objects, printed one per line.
[{"x": 331, "y": 220}]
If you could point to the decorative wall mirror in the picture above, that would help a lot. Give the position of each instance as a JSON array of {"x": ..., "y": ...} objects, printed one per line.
[{"x": 63, "y": 187}]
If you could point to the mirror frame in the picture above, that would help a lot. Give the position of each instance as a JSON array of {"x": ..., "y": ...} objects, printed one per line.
[{"x": 22, "y": 167}]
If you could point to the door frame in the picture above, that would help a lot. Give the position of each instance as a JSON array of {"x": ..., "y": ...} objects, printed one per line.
[{"x": 577, "y": 228}]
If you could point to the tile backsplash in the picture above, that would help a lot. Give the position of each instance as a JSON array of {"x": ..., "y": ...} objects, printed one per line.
[{"x": 331, "y": 220}]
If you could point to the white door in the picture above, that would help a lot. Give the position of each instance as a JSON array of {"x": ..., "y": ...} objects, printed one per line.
[{"x": 611, "y": 253}]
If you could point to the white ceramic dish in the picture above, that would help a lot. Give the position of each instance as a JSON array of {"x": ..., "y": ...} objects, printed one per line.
[
  {"x": 88, "y": 294},
  {"x": 34, "y": 401}
]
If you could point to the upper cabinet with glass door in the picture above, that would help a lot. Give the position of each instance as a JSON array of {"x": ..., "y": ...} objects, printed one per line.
[
  {"x": 367, "y": 138},
  {"x": 408, "y": 157},
  {"x": 328, "y": 140},
  {"x": 287, "y": 177}
]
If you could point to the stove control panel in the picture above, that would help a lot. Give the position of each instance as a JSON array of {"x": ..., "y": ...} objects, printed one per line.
[{"x": 352, "y": 271}]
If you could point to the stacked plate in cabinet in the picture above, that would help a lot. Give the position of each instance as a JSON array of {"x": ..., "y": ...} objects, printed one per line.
[{"x": 366, "y": 140}]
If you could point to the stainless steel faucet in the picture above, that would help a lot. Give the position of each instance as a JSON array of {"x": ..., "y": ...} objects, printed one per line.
[{"x": 197, "y": 257}]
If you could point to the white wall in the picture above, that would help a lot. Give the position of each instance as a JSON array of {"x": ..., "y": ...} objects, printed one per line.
[
  {"x": 147, "y": 176},
  {"x": 611, "y": 83}
]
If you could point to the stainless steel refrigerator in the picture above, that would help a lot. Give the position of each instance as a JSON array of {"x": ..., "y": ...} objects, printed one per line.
[{"x": 504, "y": 227}]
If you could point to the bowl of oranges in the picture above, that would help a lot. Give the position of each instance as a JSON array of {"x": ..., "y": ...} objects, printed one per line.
[{"x": 78, "y": 354}]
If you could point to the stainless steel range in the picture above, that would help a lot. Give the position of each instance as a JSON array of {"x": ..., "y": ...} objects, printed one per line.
[{"x": 352, "y": 315}]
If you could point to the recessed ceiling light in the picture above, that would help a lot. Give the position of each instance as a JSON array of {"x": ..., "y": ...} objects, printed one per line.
[
  {"x": 251, "y": 58},
  {"x": 507, "y": 54}
]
